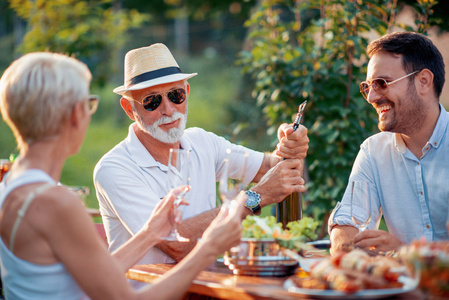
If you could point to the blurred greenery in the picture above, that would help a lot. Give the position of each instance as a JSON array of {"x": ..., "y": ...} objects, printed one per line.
[
  {"x": 92, "y": 31},
  {"x": 208, "y": 100},
  {"x": 284, "y": 65},
  {"x": 315, "y": 50}
]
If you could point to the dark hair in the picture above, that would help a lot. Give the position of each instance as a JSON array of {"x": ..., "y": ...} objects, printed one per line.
[{"x": 418, "y": 52}]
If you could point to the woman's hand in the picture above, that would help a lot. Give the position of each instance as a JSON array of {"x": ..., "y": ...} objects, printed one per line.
[
  {"x": 165, "y": 214},
  {"x": 226, "y": 229}
]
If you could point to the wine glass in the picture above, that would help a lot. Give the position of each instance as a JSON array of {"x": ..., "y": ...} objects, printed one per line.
[
  {"x": 360, "y": 204},
  {"x": 82, "y": 191},
  {"x": 232, "y": 180},
  {"x": 178, "y": 175}
]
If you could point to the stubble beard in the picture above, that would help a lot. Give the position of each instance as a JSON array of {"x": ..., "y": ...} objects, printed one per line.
[{"x": 410, "y": 119}]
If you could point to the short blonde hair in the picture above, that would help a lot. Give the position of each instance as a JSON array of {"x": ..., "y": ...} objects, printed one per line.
[{"x": 38, "y": 92}]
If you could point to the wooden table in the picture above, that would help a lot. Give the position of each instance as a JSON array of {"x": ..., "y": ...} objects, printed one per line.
[{"x": 218, "y": 282}]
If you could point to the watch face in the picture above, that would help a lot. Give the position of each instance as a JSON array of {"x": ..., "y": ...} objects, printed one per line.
[{"x": 251, "y": 201}]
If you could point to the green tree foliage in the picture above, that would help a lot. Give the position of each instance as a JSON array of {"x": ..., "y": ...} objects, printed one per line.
[
  {"x": 92, "y": 31},
  {"x": 197, "y": 9},
  {"x": 430, "y": 13},
  {"x": 315, "y": 50}
]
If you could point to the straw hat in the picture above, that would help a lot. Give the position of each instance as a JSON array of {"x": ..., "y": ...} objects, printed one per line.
[{"x": 150, "y": 66}]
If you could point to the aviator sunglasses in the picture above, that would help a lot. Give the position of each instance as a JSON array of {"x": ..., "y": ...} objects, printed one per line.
[
  {"x": 152, "y": 102},
  {"x": 380, "y": 85}
]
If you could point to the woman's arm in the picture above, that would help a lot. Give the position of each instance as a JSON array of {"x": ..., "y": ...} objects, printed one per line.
[
  {"x": 61, "y": 219},
  {"x": 72, "y": 237},
  {"x": 223, "y": 233},
  {"x": 158, "y": 225}
]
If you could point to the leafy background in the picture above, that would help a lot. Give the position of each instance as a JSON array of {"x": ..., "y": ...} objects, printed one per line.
[{"x": 257, "y": 60}]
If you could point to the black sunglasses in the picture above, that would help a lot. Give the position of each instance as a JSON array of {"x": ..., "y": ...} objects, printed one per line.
[
  {"x": 380, "y": 85},
  {"x": 152, "y": 102}
]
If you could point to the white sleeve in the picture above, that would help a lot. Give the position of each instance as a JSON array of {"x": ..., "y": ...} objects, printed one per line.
[
  {"x": 123, "y": 193},
  {"x": 215, "y": 146}
]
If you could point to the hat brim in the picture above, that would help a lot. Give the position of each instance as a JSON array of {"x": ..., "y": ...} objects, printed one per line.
[{"x": 121, "y": 90}]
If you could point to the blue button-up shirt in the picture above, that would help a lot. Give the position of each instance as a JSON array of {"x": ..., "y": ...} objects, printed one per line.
[{"x": 412, "y": 193}]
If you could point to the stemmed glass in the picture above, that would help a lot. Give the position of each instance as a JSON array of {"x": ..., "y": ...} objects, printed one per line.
[
  {"x": 360, "y": 204},
  {"x": 81, "y": 191},
  {"x": 231, "y": 183},
  {"x": 178, "y": 175}
]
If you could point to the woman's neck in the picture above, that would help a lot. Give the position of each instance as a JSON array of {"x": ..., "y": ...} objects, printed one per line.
[{"x": 47, "y": 156}]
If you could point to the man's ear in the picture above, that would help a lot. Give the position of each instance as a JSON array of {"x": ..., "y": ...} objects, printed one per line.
[
  {"x": 425, "y": 82},
  {"x": 188, "y": 89},
  {"x": 126, "y": 105}
]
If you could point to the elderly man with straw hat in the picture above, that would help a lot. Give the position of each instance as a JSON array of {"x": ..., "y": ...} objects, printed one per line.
[{"x": 131, "y": 178}]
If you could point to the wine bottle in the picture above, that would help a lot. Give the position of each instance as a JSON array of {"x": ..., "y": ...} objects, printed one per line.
[{"x": 290, "y": 209}]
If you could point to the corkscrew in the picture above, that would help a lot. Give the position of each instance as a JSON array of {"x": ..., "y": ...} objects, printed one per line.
[{"x": 298, "y": 118}]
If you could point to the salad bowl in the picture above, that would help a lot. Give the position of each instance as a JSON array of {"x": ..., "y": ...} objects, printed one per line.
[
  {"x": 261, "y": 251},
  {"x": 259, "y": 257}
]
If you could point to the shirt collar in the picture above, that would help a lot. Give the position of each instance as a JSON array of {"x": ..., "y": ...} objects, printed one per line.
[
  {"x": 440, "y": 129},
  {"x": 399, "y": 143},
  {"x": 140, "y": 154}
]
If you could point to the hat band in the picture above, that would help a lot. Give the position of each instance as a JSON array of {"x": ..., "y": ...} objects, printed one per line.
[{"x": 154, "y": 74}]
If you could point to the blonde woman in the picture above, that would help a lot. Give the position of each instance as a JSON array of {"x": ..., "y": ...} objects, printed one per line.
[{"x": 49, "y": 247}]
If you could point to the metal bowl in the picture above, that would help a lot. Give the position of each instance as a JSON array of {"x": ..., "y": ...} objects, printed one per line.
[{"x": 259, "y": 258}]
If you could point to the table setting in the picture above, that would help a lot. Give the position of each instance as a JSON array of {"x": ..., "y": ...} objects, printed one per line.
[
  {"x": 289, "y": 266},
  {"x": 267, "y": 250},
  {"x": 287, "y": 261}
]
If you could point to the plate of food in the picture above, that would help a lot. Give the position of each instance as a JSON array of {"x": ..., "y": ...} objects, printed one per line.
[
  {"x": 333, "y": 294},
  {"x": 432, "y": 260},
  {"x": 353, "y": 275}
]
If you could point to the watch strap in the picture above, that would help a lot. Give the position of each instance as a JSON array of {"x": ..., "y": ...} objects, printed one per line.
[{"x": 257, "y": 210}]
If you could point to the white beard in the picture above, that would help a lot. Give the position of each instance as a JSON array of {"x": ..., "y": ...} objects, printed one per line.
[{"x": 169, "y": 137}]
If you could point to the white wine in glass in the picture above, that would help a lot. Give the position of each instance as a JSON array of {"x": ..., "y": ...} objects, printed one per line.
[
  {"x": 360, "y": 204},
  {"x": 230, "y": 184},
  {"x": 178, "y": 175}
]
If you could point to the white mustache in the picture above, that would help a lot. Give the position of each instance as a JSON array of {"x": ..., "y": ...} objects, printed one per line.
[{"x": 165, "y": 119}]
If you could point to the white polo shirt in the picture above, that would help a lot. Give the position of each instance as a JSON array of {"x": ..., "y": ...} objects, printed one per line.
[{"x": 129, "y": 183}]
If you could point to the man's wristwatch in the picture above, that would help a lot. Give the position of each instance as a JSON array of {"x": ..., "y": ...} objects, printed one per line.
[{"x": 253, "y": 202}]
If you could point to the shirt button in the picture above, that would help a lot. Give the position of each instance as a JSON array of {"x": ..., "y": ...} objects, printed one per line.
[
  {"x": 428, "y": 226},
  {"x": 427, "y": 148},
  {"x": 421, "y": 195},
  {"x": 435, "y": 143},
  {"x": 418, "y": 163}
]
